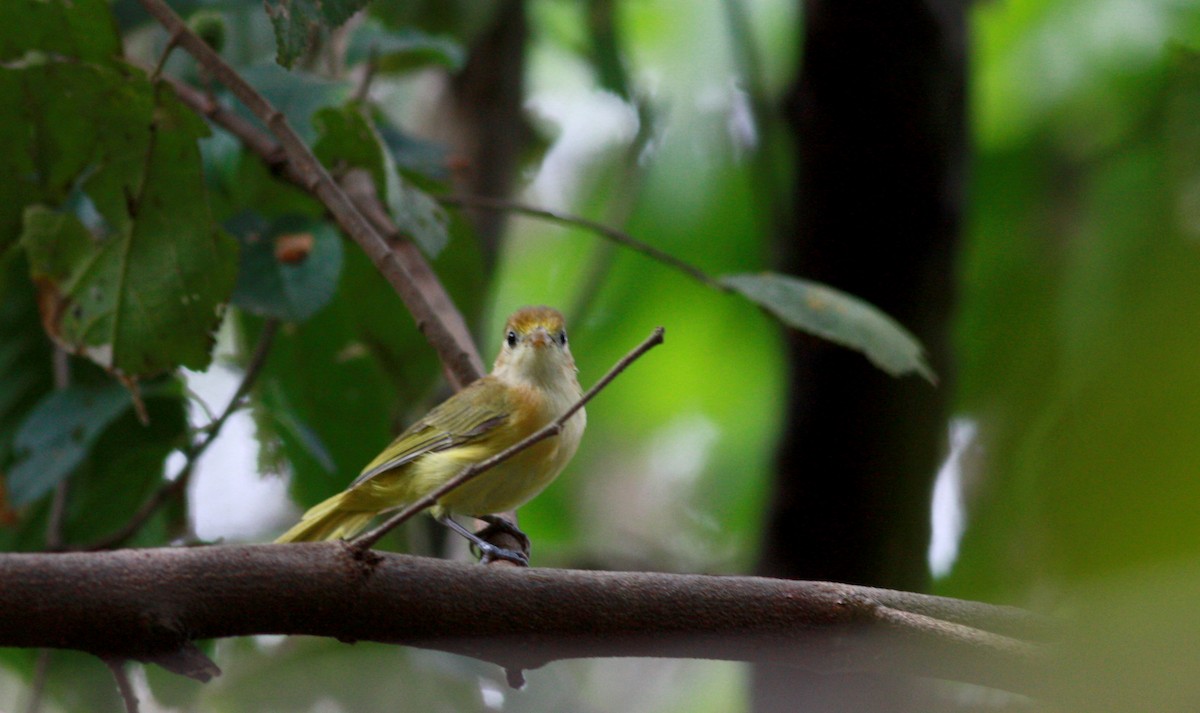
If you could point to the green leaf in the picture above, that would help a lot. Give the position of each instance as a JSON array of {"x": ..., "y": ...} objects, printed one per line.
[
  {"x": 336, "y": 12},
  {"x": 125, "y": 465},
  {"x": 56, "y": 436},
  {"x": 296, "y": 431},
  {"x": 836, "y": 316},
  {"x": 330, "y": 397},
  {"x": 80, "y": 29},
  {"x": 345, "y": 138},
  {"x": 396, "y": 51},
  {"x": 427, "y": 159},
  {"x": 62, "y": 120},
  {"x": 296, "y": 22},
  {"x": 24, "y": 350},
  {"x": 415, "y": 211},
  {"x": 297, "y": 94},
  {"x": 348, "y": 138},
  {"x": 144, "y": 295},
  {"x": 270, "y": 287}
]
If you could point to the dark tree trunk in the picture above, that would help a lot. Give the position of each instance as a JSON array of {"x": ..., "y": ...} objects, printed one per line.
[
  {"x": 487, "y": 97},
  {"x": 878, "y": 115}
]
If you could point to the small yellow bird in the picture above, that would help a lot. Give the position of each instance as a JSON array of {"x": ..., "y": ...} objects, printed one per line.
[{"x": 532, "y": 383}]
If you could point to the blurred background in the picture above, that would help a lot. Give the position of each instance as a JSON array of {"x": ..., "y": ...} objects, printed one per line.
[{"x": 1016, "y": 182}]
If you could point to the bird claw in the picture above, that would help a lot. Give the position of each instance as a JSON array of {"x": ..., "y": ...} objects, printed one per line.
[
  {"x": 490, "y": 553},
  {"x": 499, "y": 526}
]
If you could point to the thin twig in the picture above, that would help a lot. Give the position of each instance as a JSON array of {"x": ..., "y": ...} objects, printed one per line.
[
  {"x": 617, "y": 236},
  {"x": 178, "y": 485},
  {"x": 58, "y": 505},
  {"x": 366, "y": 540},
  {"x": 172, "y": 42},
  {"x": 363, "y": 92},
  {"x": 258, "y": 359},
  {"x": 461, "y": 359},
  {"x": 124, "y": 685}
]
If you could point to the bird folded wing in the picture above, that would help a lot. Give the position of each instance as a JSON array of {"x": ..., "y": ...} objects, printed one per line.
[{"x": 465, "y": 417}]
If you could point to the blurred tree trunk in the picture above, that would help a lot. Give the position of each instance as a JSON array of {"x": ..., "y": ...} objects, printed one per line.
[
  {"x": 878, "y": 115},
  {"x": 487, "y": 97}
]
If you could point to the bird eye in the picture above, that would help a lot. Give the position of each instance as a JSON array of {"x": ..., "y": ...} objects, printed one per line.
[
  {"x": 511, "y": 338},
  {"x": 562, "y": 337}
]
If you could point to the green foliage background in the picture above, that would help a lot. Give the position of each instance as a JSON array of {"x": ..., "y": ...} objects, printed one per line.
[{"x": 1077, "y": 341}]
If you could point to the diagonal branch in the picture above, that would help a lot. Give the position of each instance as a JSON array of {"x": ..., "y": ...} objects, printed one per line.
[
  {"x": 364, "y": 541},
  {"x": 460, "y": 359}
]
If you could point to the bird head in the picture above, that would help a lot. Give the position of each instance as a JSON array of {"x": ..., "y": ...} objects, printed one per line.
[{"x": 535, "y": 348}]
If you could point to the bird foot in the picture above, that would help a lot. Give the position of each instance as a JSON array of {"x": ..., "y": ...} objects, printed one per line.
[
  {"x": 490, "y": 553},
  {"x": 500, "y": 527}
]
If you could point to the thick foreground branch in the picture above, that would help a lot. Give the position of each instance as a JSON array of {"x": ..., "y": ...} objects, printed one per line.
[{"x": 149, "y": 604}]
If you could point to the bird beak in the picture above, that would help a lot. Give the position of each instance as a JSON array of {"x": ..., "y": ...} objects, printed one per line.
[{"x": 539, "y": 337}]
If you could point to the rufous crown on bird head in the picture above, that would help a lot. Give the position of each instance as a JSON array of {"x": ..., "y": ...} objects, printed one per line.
[{"x": 527, "y": 334}]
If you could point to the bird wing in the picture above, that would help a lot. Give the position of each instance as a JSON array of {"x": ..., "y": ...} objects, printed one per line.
[{"x": 462, "y": 418}]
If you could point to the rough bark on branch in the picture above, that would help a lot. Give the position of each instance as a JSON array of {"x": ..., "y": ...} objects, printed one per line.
[{"x": 149, "y": 604}]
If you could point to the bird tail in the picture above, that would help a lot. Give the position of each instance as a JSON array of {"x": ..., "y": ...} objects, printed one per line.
[{"x": 328, "y": 520}]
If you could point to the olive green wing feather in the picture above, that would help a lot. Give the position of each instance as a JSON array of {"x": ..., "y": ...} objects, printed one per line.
[{"x": 464, "y": 417}]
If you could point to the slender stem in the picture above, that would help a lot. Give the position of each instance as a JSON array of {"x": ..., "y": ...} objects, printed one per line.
[
  {"x": 37, "y": 685},
  {"x": 258, "y": 359},
  {"x": 124, "y": 685},
  {"x": 172, "y": 41},
  {"x": 58, "y": 506},
  {"x": 613, "y": 234},
  {"x": 178, "y": 485},
  {"x": 363, "y": 92},
  {"x": 366, "y": 540}
]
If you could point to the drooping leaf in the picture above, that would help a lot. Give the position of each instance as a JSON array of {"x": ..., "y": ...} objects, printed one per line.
[
  {"x": 836, "y": 316},
  {"x": 56, "y": 436},
  {"x": 296, "y": 22},
  {"x": 348, "y": 138},
  {"x": 271, "y": 285},
  {"x": 142, "y": 293}
]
